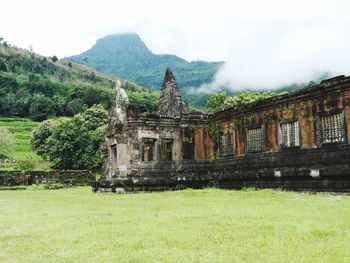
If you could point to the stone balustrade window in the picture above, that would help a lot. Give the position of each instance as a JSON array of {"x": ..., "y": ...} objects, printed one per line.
[
  {"x": 227, "y": 144},
  {"x": 255, "y": 139},
  {"x": 290, "y": 136},
  {"x": 188, "y": 144},
  {"x": 148, "y": 146},
  {"x": 167, "y": 149},
  {"x": 332, "y": 128}
]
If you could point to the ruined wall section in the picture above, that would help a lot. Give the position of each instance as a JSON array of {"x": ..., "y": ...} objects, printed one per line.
[
  {"x": 169, "y": 135},
  {"x": 154, "y": 129},
  {"x": 117, "y": 145},
  {"x": 311, "y": 164},
  {"x": 195, "y": 139},
  {"x": 305, "y": 106},
  {"x": 188, "y": 137}
]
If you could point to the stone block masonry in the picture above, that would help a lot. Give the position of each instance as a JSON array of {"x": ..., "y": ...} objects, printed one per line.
[
  {"x": 68, "y": 178},
  {"x": 297, "y": 141}
]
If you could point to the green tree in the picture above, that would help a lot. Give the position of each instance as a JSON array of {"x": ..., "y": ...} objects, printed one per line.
[
  {"x": 216, "y": 101},
  {"x": 7, "y": 104},
  {"x": 54, "y": 59},
  {"x": 93, "y": 117},
  {"x": 41, "y": 107},
  {"x": 59, "y": 104},
  {"x": 221, "y": 100},
  {"x": 144, "y": 101},
  {"x": 26, "y": 165},
  {"x": 22, "y": 104},
  {"x": 3, "y": 66},
  {"x": 74, "y": 106},
  {"x": 73, "y": 143},
  {"x": 95, "y": 95},
  {"x": 40, "y": 136},
  {"x": 249, "y": 97}
]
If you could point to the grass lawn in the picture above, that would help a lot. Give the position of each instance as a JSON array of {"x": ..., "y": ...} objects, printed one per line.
[
  {"x": 76, "y": 225},
  {"x": 22, "y": 130}
]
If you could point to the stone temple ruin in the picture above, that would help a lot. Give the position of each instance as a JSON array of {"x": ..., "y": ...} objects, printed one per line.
[{"x": 296, "y": 141}]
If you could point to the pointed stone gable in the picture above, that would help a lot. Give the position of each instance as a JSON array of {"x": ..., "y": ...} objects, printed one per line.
[
  {"x": 170, "y": 103},
  {"x": 118, "y": 115}
]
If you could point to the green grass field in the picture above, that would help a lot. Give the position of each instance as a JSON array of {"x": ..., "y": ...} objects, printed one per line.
[
  {"x": 76, "y": 225},
  {"x": 22, "y": 130}
]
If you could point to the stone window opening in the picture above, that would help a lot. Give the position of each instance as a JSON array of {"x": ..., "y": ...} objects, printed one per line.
[
  {"x": 114, "y": 152},
  {"x": 112, "y": 159},
  {"x": 289, "y": 134},
  {"x": 148, "y": 146},
  {"x": 255, "y": 139},
  {"x": 331, "y": 128},
  {"x": 226, "y": 143},
  {"x": 188, "y": 144},
  {"x": 167, "y": 149}
]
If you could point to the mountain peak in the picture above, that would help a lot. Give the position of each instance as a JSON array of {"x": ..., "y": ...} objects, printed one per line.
[
  {"x": 121, "y": 37},
  {"x": 125, "y": 42},
  {"x": 126, "y": 56}
]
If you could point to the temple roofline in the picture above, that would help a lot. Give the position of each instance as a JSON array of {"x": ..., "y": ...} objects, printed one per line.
[{"x": 325, "y": 86}]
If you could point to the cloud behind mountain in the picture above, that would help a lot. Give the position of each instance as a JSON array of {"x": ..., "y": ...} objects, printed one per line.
[{"x": 265, "y": 43}]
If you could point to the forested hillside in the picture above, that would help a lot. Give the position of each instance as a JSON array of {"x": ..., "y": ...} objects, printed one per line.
[
  {"x": 38, "y": 87},
  {"x": 127, "y": 56}
]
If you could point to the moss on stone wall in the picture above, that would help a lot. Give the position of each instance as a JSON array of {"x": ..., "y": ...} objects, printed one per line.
[{"x": 68, "y": 178}]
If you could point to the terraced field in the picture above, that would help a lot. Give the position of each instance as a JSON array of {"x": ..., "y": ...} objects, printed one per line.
[{"x": 22, "y": 130}]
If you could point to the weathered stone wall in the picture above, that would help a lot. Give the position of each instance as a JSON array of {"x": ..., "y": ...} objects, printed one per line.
[
  {"x": 319, "y": 169},
  {"x": 69, "y": 178},
  {"x": 304, "y": 106},
  {"x": 198, "y": 162}
]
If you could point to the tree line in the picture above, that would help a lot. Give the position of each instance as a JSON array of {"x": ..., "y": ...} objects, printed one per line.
[
  {"x": 39, "y": 98},
  {"x": 222, "y": 99},
  {"x": 41, "y": 87}
]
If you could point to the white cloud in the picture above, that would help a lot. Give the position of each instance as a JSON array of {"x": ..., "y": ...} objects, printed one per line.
[{"x": 265, "y": 43}]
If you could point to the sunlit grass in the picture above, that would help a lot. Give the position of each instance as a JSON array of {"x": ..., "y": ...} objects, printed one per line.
[{"x": 76, "y": 225}]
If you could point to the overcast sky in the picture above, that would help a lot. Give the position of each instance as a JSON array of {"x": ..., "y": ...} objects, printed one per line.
[{"x": 266, "y": 43}]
